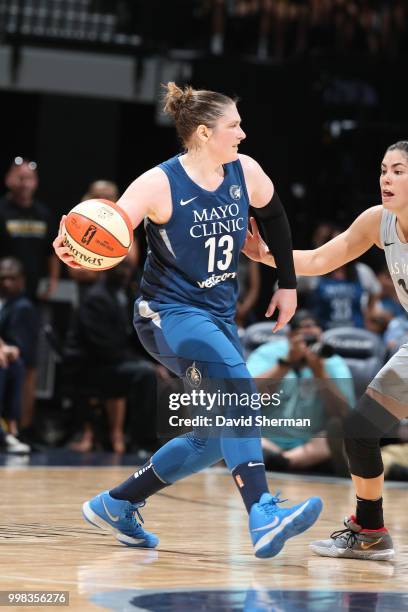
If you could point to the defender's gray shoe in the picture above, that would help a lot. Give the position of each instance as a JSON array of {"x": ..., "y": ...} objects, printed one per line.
[{"x": 356, "y": 543}]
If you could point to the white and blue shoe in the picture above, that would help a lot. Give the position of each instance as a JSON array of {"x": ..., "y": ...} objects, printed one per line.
[
  {"x": 119, "y": 516},
  {"x": 270, "y": 526}
]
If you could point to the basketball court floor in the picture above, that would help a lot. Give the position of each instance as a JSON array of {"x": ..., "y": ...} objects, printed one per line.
[{"x": 204, "y": 560}]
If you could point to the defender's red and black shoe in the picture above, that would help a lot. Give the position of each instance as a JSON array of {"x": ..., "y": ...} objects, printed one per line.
[{"x": 354, "y": 542}]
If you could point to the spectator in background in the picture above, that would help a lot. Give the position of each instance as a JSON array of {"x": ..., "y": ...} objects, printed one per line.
[
  {"x": 323, "y": 233},
  {"x": 387, "y": 317},
  {"x": 100, "y": 349},
  {"x": 299, "y": 365},
  {"x": 19, "y": 327},
  {"x": 27, "y": 228},
  {"x": 102, "y": 189},
  {"x": 293, "y": 28},
  {"x": 11, "y": 382},
  {"x": 349, "y": 294},
  {"x": 337, "y": 299}
]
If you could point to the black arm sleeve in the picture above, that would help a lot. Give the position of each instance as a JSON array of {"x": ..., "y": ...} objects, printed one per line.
[{"x": 275, "y": 230}]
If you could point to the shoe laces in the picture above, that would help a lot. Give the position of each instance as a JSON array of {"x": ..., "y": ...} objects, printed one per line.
[
  {"x": 347, "y": 534},
  {"x": 133, "y": 509},
  {"x": 269, "y": 507}
]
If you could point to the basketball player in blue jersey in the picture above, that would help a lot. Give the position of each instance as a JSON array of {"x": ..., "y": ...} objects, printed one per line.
[
  {"x": 195, "y": 208},
  {"x": 385, "y": 401}
]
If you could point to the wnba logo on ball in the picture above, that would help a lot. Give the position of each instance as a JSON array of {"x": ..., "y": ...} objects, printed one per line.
[
  {"x": 99, "y": 234},
  {"x": 82, "y": 257},
  {"x": 89, "y": 234}
]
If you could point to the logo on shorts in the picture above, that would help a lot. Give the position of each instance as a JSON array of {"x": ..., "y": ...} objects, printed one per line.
[
  {"x": 89, "y": 234},
  {"x": 235, "y": 192},
  {"x": 193, "y": 376}
]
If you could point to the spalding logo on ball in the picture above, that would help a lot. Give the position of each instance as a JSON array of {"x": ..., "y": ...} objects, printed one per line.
[{"x": 98, "y": 233}]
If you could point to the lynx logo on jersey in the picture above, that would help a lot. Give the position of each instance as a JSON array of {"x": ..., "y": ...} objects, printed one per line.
[
  {"x": 193, "y": 376},
  {"x": 235, "y": 192}
]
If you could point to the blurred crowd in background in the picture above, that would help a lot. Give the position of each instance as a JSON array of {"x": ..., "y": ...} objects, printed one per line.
[
  {"x": 323, "y": 94},
  {"x": 73, "y": 374},
  {"x": 291, "y": 28},
  {"x": 274, "y": 29}
]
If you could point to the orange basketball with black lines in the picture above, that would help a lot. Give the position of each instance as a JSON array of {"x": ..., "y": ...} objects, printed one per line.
[{"x": 98, "y": 233}]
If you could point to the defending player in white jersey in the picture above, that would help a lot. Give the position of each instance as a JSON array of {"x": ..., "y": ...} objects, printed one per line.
[{"x": 385, "y": 401}]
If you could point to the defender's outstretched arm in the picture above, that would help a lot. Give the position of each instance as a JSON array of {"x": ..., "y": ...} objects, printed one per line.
[{"x": 362, "y": 234}]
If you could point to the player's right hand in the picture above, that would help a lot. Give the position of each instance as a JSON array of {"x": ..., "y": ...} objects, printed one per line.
[{"x": 63, "y": 252}]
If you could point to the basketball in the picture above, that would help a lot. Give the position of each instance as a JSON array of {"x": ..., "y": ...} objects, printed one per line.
[{"x": 98, "y": 233}]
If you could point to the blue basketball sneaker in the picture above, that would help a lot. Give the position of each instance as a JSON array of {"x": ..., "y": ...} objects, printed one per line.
[
  {"x": 119, "y": 516},
  {"x": 271, "y": 526}
]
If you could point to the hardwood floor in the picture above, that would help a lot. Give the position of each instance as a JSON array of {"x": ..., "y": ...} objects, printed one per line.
[{"x": 204, "y": 543}]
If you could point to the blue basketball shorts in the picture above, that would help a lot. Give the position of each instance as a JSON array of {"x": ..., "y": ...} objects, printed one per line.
[{"x": 179, "y": 335}]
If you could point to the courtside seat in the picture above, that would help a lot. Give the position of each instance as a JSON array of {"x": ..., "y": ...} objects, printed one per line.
[{"x": 259, "y": 333}]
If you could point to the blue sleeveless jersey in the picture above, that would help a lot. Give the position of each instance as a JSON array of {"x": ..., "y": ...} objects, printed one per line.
[
  {"x": 193, "y": 259},
  {"x": 338, "y": 303}
]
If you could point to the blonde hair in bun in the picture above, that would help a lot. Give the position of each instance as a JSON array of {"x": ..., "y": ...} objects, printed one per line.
[{"x": 190, "y": 108}]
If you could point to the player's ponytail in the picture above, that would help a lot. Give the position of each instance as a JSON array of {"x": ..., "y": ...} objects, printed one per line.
[
  {"x": 190, "y": 108},
  {"x": 175, "y": 98}
]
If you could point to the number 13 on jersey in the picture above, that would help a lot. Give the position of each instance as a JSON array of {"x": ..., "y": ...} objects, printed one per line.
[{"x": 227, "y": 242}]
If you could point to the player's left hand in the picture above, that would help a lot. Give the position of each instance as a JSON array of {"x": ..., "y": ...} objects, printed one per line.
[
  {"x": 254, "y": 246},
  {"x": 285, "y": 300}
]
